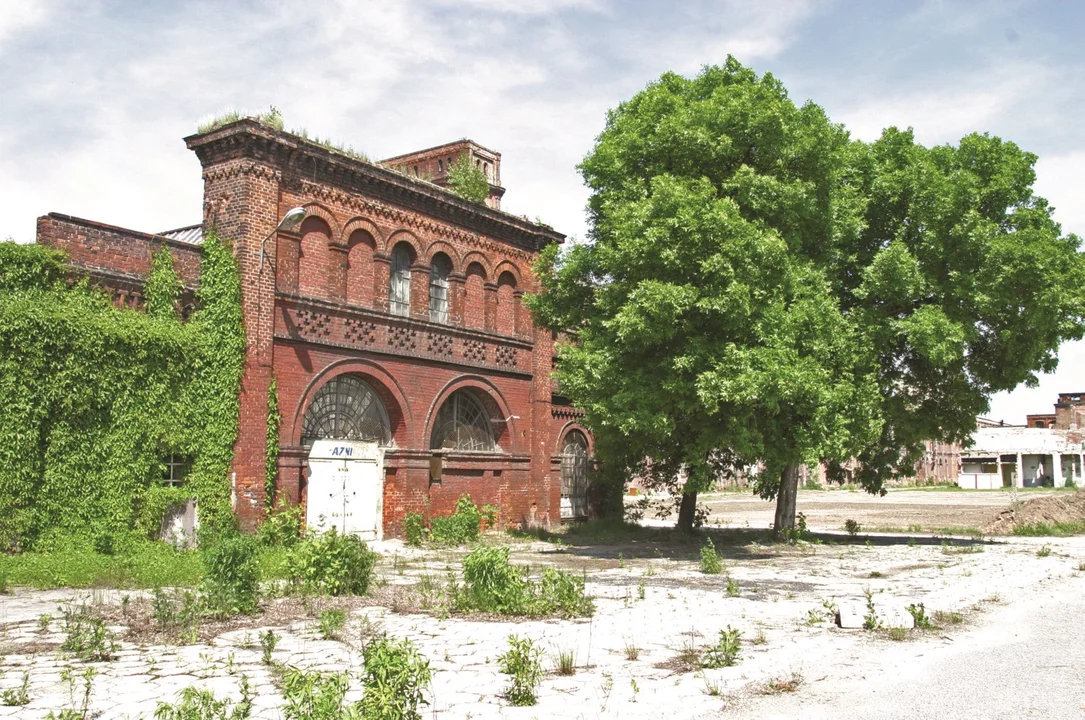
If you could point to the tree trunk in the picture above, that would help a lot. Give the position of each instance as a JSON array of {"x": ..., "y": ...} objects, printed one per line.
[
  {"x": 686, "y": 511},
  {"x": 785, "y": 499}
]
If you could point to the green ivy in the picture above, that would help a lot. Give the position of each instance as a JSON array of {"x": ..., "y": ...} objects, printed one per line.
[
  {"x": 93, "y": 398},
  {"x": 271, "y": 467}
]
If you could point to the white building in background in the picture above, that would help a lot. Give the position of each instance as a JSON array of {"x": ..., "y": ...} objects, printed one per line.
[{"x": 1021, "y": 457}]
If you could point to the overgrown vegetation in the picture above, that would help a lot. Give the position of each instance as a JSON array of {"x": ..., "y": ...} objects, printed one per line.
[
  {"x": 710, "y": 559},
  {"x": 1044, "y": 529},
  {"x": 86, "y": 637},
  {"x": 331, "y": 564},
  {"x": 468, "y": 181},
  {"x": 231, "y": 582},
  {"x": 96, "y": 399},
  {"x": 395, "y": 676},
  {"x": 273, "y": 118},
  {"x": 725, "y": 652},
  {"x": 196, "y": 704},
  {"x": 493, "y": 584}
]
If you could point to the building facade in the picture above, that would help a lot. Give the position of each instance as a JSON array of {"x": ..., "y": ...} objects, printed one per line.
[{"x": 391, "y": 315}]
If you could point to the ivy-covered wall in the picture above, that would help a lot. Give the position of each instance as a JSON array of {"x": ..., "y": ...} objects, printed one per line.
[{"x": 93, "y": 399}]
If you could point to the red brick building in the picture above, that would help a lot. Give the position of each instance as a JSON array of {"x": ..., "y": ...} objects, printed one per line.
[{"x": 392, "y": 313}]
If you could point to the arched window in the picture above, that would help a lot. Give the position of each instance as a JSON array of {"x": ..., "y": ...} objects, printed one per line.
[
  {"x": 346, "y": 408},
  {"x": 463, "y": 424},
  {"x": 399, "y": 291},
  {"x": 438, "y": 288},
  {"x": 574, "y": 476}
]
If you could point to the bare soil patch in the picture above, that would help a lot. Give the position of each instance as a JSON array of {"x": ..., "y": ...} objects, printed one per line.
[{"x": 1052, "y": 509}]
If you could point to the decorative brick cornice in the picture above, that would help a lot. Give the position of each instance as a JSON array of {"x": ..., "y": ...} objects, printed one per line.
[
  {"x": 237, "y": 169},
  {"x": 337, "y": 172}
]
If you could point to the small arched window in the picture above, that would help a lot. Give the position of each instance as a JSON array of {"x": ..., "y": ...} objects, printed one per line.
[
  {"x": 399, "y": 291},
  {"x": 438, "y": 288},
  {"x": 463, "y": 424}
]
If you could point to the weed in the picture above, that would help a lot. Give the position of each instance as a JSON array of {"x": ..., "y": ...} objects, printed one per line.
[
  {"x": 780, "y": 685},
  {"x": 331, "y": 564},
  {"x": 814, "y": 616},
  {"x": 176, "y": 612},
  {"x": 874, "y": 574},
  {"x": 915, "y": 528},
  {"x": 283, "y": 526},
  {"x": 919, "y": 614},
  {"x": 870, "y": 620},
  {"x": 521, "y": 663},
  {"x": 566, "y": 664},
  {"x": 80, "y": 706},
  {"x": 632, "y": 652},
  {"x": 316, "y": 696},
  {"x": 87, "y": 637},
  {"x": 799, "y": 530},
  {"x": 459, "y": 528},
  {"x": 636, "y": 688},
  {"x": 492, "y": 584},
  {"x": 726, "y": 651},
  {"x": 621, "y": 561},
  {"x": 710, "y": 559},
  {"x": 414, "y": 526},
  {"x": 231, "y": 579},
  {"x": 395, "y": 676},
  {"x": 43, "y": 622},
  {"x": 688, "y": 655},
  {"x": 1044, "y": 551},
  {"x": 331, "y": 623},
  {"x": 732, "y": 587},
  {"x": 852, "y": 527},
  {"x": 369, "y": 631},
  {"x": 17, "y": 696},
  {"x": 898, "y": 634},
  {"x": 952, "y": 617},
  {"x": 1081, "y": 566},
  {"x": 196, "y": 704},
  {"x": 911, "y": 542},
  {"x": 268, "y": 641},
  {"x": 640, "y": 590},
  {"x": 1043, "y": 529},
  {"x": 759, "y": 638},
  {"x": 948, "y": 549}
]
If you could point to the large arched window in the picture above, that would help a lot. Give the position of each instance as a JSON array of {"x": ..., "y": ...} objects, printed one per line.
[
  {"x": 399, "y": 290},
  {"x": 463, "y": 424},
  {"x": 346, "y": 408},
  {"x": 574, "y": 476},
  {"x": 438, "y": 288}
]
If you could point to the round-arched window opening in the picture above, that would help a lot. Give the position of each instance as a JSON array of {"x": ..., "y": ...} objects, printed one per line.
[
  {"x": 347, "y": 408},
  {"x": 574, "y": 476},
  {"x": 463, "y": 424}
]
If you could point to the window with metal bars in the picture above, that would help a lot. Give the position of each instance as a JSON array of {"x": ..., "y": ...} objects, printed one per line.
[
  {"x": 175, "y": 469},
  {"x": 346, "y": 408},
  {"x": 399, "y": 291},
  {"x": 463, "y": 424}
]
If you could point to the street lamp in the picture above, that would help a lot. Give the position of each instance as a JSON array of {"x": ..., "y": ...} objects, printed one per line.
[{"x": 289, "y": 222}]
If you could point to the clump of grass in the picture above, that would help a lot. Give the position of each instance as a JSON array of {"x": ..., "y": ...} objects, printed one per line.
[
  {"x": 874, "y": 574},
  {"x": 87, "y": 637},
  {"x": 1043, "y": 529},
  {"x": 631, "y": 651},
  {"x": 1044, "y": 551},
  {"x": 951, "y": 617},
  {"x": 273, "y": 118},
  {"x": 948, "y": 549},
  {"x": 710, "y": 559},
  {"x": 566, "y": 664},
  {"x": 331, "y": 622},
  {"x": 732, "y": 587},
  {"x": 1081, "y": 566},
  {"x": 898, "y": 634},
  {"x": 492, "y": 584},
  {"x": 194, "y": 703}
]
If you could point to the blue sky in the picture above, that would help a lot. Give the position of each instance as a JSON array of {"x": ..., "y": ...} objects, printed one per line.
[{"x": 98, "y": 94}]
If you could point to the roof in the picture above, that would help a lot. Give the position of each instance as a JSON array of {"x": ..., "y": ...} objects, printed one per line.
[
  {"x": 191, "y": 234},
  {"x": 1029, "y": 441}
]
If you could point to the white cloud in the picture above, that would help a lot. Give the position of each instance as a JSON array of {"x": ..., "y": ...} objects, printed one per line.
[
  {"x": 23, "y": 15},
  {"x": 1061, "y": 179}
]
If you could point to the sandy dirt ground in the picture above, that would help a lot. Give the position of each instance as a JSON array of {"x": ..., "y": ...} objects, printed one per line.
[{"x": 652, "y": 603}]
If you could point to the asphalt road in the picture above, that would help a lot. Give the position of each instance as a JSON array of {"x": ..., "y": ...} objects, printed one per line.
[{"x": 1024, "y": 660}]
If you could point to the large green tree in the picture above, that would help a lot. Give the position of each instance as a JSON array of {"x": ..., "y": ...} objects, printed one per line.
[{"x": 758, "y": 287}]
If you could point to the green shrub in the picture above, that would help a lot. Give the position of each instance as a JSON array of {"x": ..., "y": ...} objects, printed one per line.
[
  {"x": 231, "y": 578},
  {"x": 196, "y": 704},
  {"x": 395, "y": 677},
  {"x": 414, "y": 526},
  {"x": 467, "y": 181},
  {"x": 852, "y": 527},
  {"x": 564, "y": 594},
  {"x": 331, "y": 564},
  {"x": 176, "y": 612},
  {"x": 16, "y": 696},
  {"x": 459, "y": 528},
  {"x": 521, "y": 663},
  {"x": 316, "y": 696},
  {"x": 710, "y": 559},
  {"x": 268, "y": 641},
  {"x": 283, "y": 526},
  {"x": 919, "y": 614},
  {"x": 726, "y": 650},
  {"x": 492, "y": 584}
]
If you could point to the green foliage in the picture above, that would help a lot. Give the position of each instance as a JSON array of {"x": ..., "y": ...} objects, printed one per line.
[
  {"x": 521, "y": 663},
  {"x": 414, "y": 526},
  {"x": 316, "y": 696},
  {"x": 273, "y": 118},
  {"x": 16, "y": 696},
  {"x": 268, "y": 640},
  {"x": 493, "y": 584},
  {"x": 177, "y": 612},
  {"x": 468, "y": 181},
  {"x": 195, "y": 704},
  {"x": 271, "y": 461},
  {"x": 163, "y": 287},
  {"x": 395, "y": 676},
  {"x": 798, "y": 531},
  {"x": 86, "y": 637},
  {"x": 331, "y": 564},
  {"x": 1043, "y": 529},
  {"x": 232, "y": 577},
  {"x": 760, "y": 287},
  {"x": 331, "y": 622},
  {"x": 726, "y": 650},
  {"x": 919, "y": 614},
  {"x": 96, "y": 397},
  {"x": 852, "y": 527},
  {"x": 710, "y": 559},
  {"x": 459, "y": 528},
  {"x": 283, "y": 526},
  {"x": 1044, "y": 551}
]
